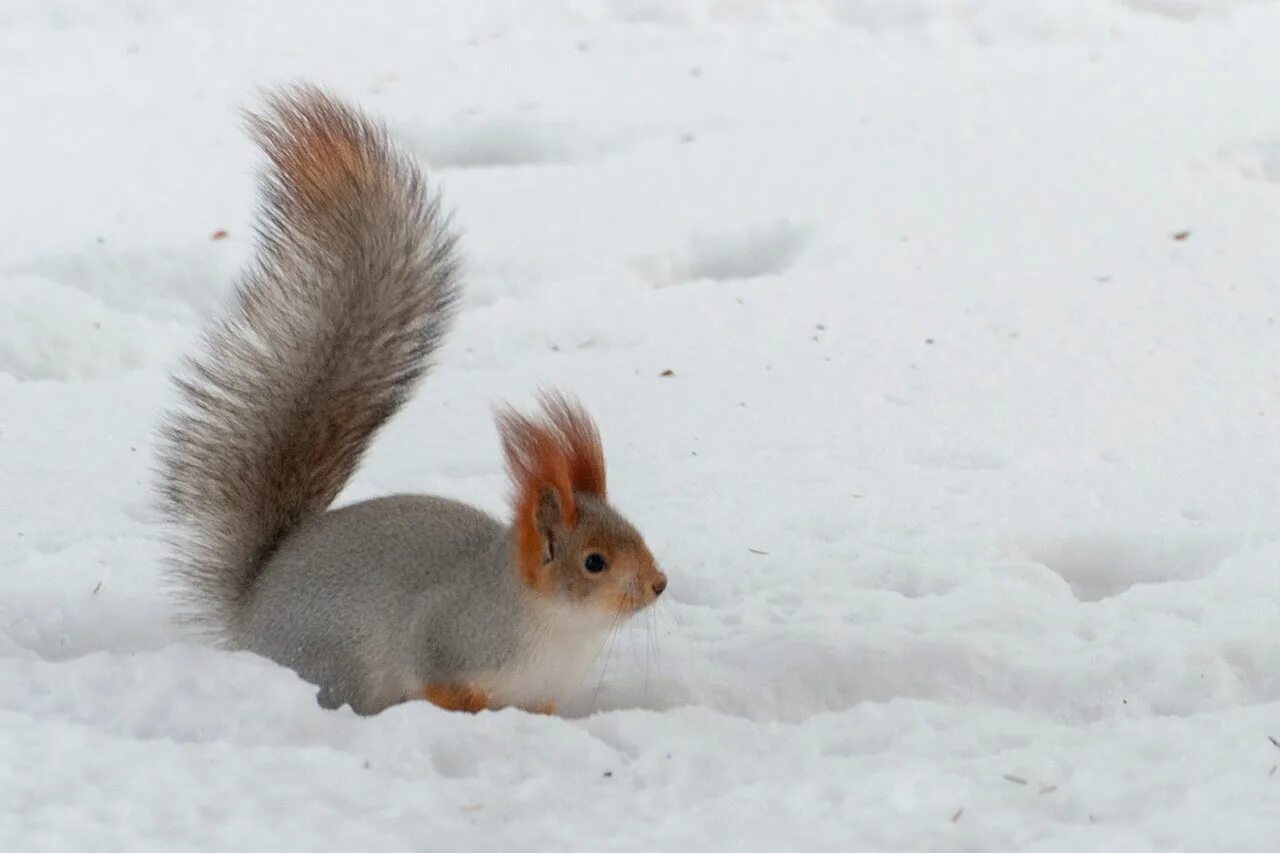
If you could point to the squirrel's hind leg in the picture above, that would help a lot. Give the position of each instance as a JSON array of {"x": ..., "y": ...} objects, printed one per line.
[{"x": 456, "y": 697}]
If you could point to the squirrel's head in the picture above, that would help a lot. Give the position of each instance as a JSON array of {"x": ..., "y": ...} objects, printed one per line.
[{"x": 570, "y": 544}]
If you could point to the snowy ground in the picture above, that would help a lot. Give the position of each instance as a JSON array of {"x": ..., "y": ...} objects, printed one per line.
[{"x": 966, "y": 475}]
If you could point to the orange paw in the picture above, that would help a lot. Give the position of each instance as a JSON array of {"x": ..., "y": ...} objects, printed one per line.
[
  {"x": 549, "y": 709},
  {"x": 456, "y": 697}
]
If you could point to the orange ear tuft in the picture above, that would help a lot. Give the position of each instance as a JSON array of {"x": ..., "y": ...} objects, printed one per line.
[
  {"x": 579, "y": 440},
  {"x": 535, "y": 462}
]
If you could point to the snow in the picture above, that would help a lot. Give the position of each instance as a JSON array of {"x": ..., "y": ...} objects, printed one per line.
[{"x": 965, "y": 474}]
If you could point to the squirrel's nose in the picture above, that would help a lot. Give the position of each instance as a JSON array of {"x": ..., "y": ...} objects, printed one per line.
[{"x": 659, "y": 585}]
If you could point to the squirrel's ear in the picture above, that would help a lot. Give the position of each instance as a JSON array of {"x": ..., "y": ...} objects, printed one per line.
[
  {"x": 549, "y": 519},
  {"x": 542, "y": 496}
]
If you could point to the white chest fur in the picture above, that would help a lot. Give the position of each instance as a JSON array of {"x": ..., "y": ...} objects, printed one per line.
[{"x": 559, "y": 643}]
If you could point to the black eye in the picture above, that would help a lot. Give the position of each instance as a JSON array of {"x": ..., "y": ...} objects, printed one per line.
[{"x": 595, "y": 563}]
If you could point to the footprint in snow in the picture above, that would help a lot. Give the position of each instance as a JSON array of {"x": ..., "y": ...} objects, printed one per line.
[
  {"x": 1102, "y": 566},
  {"x": 751, "y": 253},
  {"x": 504, "y": 141}
]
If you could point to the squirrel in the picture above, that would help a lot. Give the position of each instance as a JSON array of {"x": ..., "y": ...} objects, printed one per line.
[{"x": 332, "y": 325}]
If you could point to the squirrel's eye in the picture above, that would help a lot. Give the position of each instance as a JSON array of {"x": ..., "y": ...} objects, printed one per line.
[{"x": 595, "y": 563}]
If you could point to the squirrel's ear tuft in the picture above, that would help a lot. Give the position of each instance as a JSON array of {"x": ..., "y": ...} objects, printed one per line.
[
  {"x": 541, "y": 488},
  {"x": 579, "y": 439}
]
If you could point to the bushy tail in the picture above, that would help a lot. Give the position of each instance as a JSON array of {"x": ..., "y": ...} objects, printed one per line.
[{"x": 332, "y": 324}]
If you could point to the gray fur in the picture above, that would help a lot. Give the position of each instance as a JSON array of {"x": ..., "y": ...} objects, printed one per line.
[{"x": 440, "y": 609}]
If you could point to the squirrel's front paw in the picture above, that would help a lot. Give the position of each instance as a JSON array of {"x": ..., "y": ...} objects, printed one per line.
[{"x": 329, "y": 700}]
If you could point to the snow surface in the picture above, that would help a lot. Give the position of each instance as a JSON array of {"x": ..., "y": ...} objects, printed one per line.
[{"x": 966, "y": 474}]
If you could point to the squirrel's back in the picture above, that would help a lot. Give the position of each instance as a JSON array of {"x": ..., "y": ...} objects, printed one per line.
[
  {"x": 434, "y": 597},
  {"x": 331, "y": 326}
]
